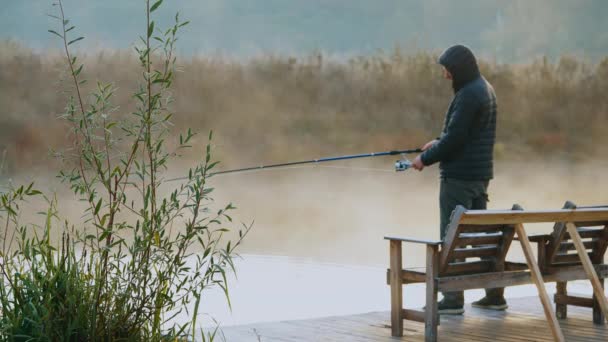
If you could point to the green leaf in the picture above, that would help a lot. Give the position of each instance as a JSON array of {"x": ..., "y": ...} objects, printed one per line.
[
  {"x": 155, "y": 6},
  {"x": 77, "y": 71},
  {"x": 55, "y": 33},
  {"x": 97, "y": 207},
  {"x": 75, "y": 40},
  {"x": 212, "y": 165},
  {"x": 102, "y": 222},
  {"x": 150, "y": 29},
  {"x": 104, "y": 235}
]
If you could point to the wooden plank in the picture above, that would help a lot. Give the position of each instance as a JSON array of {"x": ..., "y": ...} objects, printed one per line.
[
  {"x": 482, "y": 281},
  {"x": 565, "y": 299},
  {"x": 587, "y": 233},
  {"x": 538, "y": 281},
  {"x": 508, "y": 278},
  {"x": 561, "y": 309},
  {"x": 524, "y": 321},
  {"x": 484, "y": 251},
  {"x": 568, "y": 258},
  {"x": 598, "y": 256},
  {"x": 569, "y": 246},
  {"x": 541, "y": 254},
  {"x": 427, "y": 242},
  {"x": 589, "y": 224},
  {"x": 537, "y": 237},
  {"x": 413, "y": 276},
  {"x": 515, "y": 266},
  {"x": 575, "y": 272},
  {"x": 458, "y": 268},
  {"x": 558, "y": 236},
  {"x": 480, "y": 217},
  {"x": 408, "y": 277},
  {"x": 414, "y": 315},
  {"x": 513, "y": 278},
  {"x": 503, "y": 248},
  {"x": 598, "y": 316},
  {"x": 598, "y": 289},
  {"x": 396, "y": 288},
  {"x": 478, "y": 239},
  {"x": 486, "y": 228},
  {"x": 559, "y": 231},
  {"x": 432, "y": 315},
  {"x": 451, "y": 235}
]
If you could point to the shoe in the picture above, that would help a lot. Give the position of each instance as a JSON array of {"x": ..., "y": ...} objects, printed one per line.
[
  {"x": 447, "y": 308},
  {"x": 487, "y": 303}
]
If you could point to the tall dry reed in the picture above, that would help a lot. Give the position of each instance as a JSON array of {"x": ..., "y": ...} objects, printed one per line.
[{"x": 280, "y": 107}]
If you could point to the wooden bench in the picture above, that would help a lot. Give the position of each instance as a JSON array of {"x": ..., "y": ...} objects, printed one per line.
[
  {"x": 482, "y": 239},
  {"x": 557, "y": 251}
]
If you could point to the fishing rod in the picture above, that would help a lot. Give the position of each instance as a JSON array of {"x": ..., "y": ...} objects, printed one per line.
[{"x": 400, "y": 165}]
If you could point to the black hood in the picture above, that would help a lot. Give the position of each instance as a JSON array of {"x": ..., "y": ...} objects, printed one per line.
[{"x": 461, "y": 63}]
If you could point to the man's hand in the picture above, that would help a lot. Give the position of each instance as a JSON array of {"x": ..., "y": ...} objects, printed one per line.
[
  {"x": 429, "y": 144},
  {"x": 418, "y": 164}
]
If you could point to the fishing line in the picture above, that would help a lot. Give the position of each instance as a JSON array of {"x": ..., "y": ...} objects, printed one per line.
[
  {"x": 400, "y": 165},
  {"x": 353, "y": 168}
]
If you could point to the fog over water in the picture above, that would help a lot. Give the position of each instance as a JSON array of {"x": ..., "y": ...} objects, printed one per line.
[
  {"x": 341, "y": 214},
  {"x": 321, "y": 232},
  {"x": 316, "y": 248}
]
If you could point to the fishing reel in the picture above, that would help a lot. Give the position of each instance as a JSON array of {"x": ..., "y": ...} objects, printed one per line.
[{"x": 402, "y": 164}]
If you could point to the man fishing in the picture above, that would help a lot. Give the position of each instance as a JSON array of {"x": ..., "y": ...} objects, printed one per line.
[{"x": 465, "y": 155}]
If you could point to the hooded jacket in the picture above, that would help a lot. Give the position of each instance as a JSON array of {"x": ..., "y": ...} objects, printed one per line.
[{"x": 465, "y": 148}]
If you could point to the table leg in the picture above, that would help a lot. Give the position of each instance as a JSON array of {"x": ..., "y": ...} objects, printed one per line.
[
  {"x": 598, "y": 289},
  {"x": 540, "y": 284}
]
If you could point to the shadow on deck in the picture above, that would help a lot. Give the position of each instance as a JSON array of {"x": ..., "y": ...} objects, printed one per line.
[{"x": 523, "y": 321}]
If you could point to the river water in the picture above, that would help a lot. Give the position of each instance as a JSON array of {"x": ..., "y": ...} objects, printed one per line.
[{"x": 317, "y": 249}]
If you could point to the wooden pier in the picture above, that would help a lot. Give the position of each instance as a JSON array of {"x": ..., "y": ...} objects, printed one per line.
[{"x": 523, "y": 321}]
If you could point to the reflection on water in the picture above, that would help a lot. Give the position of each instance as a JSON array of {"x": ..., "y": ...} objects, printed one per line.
[
  {"x": 317, "y": 248},
  {"x": 283, "y": 288},
  {"x": 329, "y": 224}
]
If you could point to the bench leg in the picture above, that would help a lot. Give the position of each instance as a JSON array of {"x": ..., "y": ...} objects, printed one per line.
[
  {"x": 561, "y": 310},
  {"x": 431, "y": 315},
  {"x": 537, "y": 278},
  {"x": 598, "y": 287},
  {"x": 396, "y": 289},
  {"x": 598, "y": 316}
]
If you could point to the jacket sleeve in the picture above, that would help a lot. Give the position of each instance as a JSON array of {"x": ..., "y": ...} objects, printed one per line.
[{"x": 457, "y": 130}]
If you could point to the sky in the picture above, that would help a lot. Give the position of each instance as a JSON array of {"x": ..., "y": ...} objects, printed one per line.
[{"x": 505, "y": 30}]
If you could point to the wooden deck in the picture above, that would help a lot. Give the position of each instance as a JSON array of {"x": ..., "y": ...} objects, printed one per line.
[{"x": 523, "y": 321}]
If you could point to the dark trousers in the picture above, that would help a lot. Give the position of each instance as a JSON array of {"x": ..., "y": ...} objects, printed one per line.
[{"x": 471, "y": 195}]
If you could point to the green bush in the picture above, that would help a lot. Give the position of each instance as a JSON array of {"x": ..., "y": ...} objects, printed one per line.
[{"x": 140, "y": 258}]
